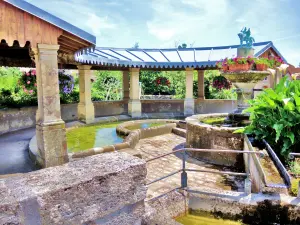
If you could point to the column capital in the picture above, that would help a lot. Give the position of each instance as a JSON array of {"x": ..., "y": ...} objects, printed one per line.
[
  {"x": 48, "y": 47},
  {"x": 84, "y": 67},
  {"x": 134, "y": 69},
  {"x": 189, "y": 69}
]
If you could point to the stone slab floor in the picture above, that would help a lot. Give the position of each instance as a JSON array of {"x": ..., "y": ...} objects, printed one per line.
[{"x": 156, "y": 146}]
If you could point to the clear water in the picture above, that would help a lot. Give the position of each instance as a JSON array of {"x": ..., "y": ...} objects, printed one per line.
[
  {"x": 98, "y": 135},
  {"x": 144, "y": 125},
  {"x": 204, "y": 220}
]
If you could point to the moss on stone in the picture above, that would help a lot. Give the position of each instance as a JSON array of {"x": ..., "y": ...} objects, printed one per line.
[
  {"x": 294, "y": 187},
  {"x": 213, "y": 120}
]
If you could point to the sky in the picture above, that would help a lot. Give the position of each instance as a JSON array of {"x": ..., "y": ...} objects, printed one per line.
[{"x": 167, "y": 23}]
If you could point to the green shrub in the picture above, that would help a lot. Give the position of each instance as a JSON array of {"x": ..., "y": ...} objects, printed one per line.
[
  {"x": 275, "y": 117},
  {"x": 294, "y": 187}
]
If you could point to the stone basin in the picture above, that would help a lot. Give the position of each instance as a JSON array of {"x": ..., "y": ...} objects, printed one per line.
[{"x": 205, "y": 136}]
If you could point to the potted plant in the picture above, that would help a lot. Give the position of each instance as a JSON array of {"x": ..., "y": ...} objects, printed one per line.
[
  {"x": 275, "y": 62},
  {"x": 222, "y": 65},
  {"x": 234, "y": 64},
  {"x": 262, "y": 64}
]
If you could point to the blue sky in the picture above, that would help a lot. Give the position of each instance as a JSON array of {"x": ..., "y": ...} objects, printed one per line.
[{"x": 162, "y": 23}]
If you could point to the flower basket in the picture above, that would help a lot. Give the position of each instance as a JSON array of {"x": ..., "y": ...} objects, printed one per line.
[
  {"x": 261, "y": 67},
  {"x": 225, "y": 68},
  {"x": 239, "y": 67}
]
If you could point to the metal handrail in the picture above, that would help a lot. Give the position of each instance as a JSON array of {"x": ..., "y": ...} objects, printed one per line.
[
  {"x": 205, "y": 150},
  {"x": 184, "y": 169}
]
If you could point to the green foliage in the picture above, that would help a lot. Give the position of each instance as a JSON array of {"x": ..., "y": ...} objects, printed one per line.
[
  {"x": 294, "y": 187},
  {"x": 295, "y": 167},
  {"x": 275, "y": 117},
  {"x": 9, "y": 78},
  {"x": 108, "y": 86},
  {"x": 264, "y": 61},
  {"x": 214, "y": 93}
]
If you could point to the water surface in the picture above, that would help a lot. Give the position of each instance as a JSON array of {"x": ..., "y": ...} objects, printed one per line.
[
  {"x": 204, "y": 220},
  {"x": 98, "y": 135}
]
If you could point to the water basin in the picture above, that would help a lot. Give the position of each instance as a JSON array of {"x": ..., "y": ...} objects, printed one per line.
[
  {"x": 98, "y": 135},
  {"x": 144, "y": 125},
  {"x": 204, "y": 220}
]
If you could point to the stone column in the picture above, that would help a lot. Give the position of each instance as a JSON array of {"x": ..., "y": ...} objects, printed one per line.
[
  {"x": 201, "y": 93},
  {"x": 189, "y": 103},
  {"x": 50, "y": 128},
  {"x": 86, "y": 111},
  {"x": 134, "y": 104},
  {"x": 126, "y": 85}
]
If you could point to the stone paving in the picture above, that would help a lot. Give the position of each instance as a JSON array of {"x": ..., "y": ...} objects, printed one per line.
[{"x": 156, "y": 146}]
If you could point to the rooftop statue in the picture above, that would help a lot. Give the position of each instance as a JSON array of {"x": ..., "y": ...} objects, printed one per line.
[{"x": 245, "y": 36}]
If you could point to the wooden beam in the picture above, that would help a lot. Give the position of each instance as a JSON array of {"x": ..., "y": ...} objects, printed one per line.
[
  {"x": 62, "y": 49},
  {"x": 74, "y": 38},
  {"x": 67, "y": 41},
  {"x": 68, "y": 47}
]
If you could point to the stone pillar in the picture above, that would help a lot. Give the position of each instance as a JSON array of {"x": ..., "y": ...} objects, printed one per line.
[
  {"x": 245, "y": 52},
  {"x": 189, "y": 103},
  {"x": 134, "y": 104},
  {"x": 86, "y": 111},
  {"x": 126, "y": 85},
  {"x": 201, "y": 86},
  {"x": 50, "y": 128}
]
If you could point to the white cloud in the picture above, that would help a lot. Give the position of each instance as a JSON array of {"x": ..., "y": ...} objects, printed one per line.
[
  {"x": 240, "y": 20},
  {"x": 174, "y": 20},
  {"x": 97, "y": 24}
]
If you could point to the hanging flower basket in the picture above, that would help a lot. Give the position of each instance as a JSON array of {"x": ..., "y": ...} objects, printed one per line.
[
  {"x": 28, "y": 82},
  {"x": 220, "y": 82}
]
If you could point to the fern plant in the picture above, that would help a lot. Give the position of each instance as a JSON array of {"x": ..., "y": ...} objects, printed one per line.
[{"x": 275, "y": 117}]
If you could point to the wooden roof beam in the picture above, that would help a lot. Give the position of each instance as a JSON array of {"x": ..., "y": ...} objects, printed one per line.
[
  {"x": 74, "y": 38},
  {"x": 69, "y": 42},
  {"x": 68, "y": 47}
]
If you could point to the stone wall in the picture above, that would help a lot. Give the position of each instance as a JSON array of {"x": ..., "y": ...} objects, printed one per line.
[
  {"x": 214, "y": 106},
  {"x": 101, "y": 189},
  {"x": 162, "y": 106},
  {"x": 16, "y": 119}
]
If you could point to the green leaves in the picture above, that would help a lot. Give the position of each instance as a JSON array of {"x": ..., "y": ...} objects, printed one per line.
[{"x": 275, "y": 117}]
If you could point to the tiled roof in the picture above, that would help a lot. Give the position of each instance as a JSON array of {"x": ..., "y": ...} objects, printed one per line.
[
  {"x": 33, "y": 10},
  {"x": 203, "y": 57}
]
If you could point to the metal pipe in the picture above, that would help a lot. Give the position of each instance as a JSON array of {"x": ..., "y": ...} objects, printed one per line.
[
  {"x": 164, "y": 177},
  {"x": 205, "y": 150},
  {"x": 218, "y": 172},
  {"x": 184, "y": 174},
  {"x": 161, "y": 156}
]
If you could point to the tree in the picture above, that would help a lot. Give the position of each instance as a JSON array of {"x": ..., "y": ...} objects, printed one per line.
[{"x": 107, "y": 86}]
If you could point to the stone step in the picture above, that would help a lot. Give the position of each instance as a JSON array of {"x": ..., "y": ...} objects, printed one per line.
[
  {"x": 179, "y": 131},
  {"x": 181, "y": 124}
]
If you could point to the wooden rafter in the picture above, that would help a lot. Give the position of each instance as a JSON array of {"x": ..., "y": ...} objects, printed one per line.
[
  {"x": 75, "y": 39},
  {"x": 70, "y": 43}
]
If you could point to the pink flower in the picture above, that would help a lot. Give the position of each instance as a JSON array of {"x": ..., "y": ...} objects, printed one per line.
[
  {"x": 30, "y": 91},
  {"x": 33, "y": 72},
  {"x": 35, "y": 84},
  {"x": 28, "y": 82},
  {"x": 27, "y": 73},
  {"x": 25, "y": 90}
]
